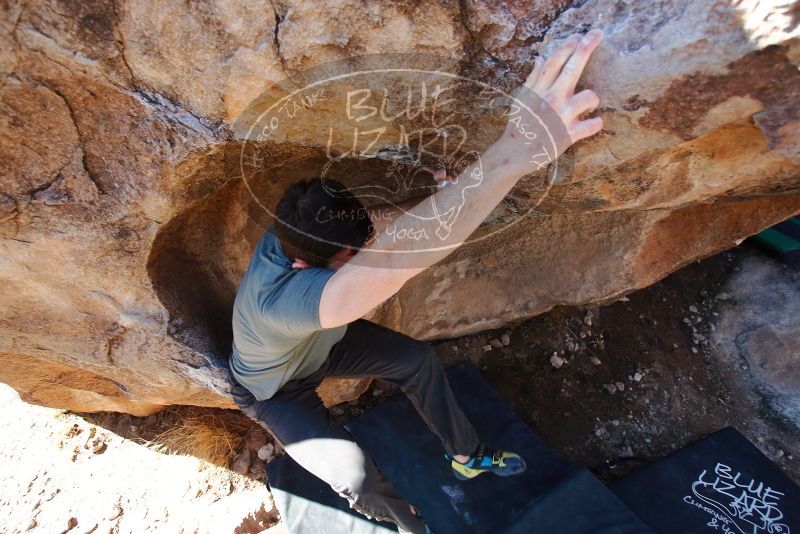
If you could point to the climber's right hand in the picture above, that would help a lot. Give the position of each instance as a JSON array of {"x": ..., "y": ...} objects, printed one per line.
[{"x": 552, "y": 83}]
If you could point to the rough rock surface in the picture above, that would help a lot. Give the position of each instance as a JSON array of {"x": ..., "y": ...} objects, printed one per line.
[
  {"x": 759, "y": 330},
  {"x": 124, "y": 233}
]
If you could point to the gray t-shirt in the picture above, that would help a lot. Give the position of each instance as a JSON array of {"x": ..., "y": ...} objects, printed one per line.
[{"x": 276, "y": 332}]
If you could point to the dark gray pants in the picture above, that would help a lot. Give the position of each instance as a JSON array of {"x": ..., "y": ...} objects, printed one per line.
[{"x": 297, "y": 419}]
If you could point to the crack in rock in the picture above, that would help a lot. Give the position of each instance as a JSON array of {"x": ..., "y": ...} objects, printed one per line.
[
  {"x": 81, "y": 142},
  {"x": 278, "y": 21}
]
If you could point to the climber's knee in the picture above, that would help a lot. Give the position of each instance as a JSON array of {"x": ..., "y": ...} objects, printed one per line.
[{"x": 355, "y": 484}]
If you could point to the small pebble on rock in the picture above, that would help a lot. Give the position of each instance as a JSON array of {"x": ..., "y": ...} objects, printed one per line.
[
  {"x": 556, "y": 361},
  {"x": 505, "y": 339},
  {"x": 693, "y": 308},
  {"x": 496, "y": 343},
  {"x": 611, "y": 388},
  {"x": 637, "y": 377},
  {"x": 620, "y": 386},
  {"x": 595, "y": 360},
  {"x": 486, "y": 348}
]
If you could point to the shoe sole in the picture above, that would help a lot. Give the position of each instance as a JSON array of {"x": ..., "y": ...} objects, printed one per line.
[{"x": 522, "y": 469}]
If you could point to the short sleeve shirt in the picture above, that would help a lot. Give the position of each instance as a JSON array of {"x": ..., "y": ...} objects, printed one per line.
[{"x": 276, "y": 332}]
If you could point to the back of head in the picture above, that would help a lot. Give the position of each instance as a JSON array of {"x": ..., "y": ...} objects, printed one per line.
[{"x": 316, "y": 218}]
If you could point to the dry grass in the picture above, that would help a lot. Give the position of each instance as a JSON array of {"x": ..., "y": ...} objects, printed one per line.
[{"x": 212, "y": 435}]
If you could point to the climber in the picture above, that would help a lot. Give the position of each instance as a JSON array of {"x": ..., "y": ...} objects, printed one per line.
[{"x": 297, "y": 313}]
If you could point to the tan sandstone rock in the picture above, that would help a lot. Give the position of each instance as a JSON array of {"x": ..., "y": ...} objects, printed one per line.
[{"x": 124, "y": 229}]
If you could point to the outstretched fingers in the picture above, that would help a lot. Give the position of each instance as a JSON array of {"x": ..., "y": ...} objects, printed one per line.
[
  {"x": 573, "y": 69},
  {"x": 552, "y": 67},
  {"x": 584, "y": 102},
  {"x": 554, "y": 80},
  {"x": 533, "y": 77},
  {"x": 583, "y": 129}
]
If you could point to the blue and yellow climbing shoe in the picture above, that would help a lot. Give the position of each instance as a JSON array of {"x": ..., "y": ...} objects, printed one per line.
[{"x": 485, "y": 460}]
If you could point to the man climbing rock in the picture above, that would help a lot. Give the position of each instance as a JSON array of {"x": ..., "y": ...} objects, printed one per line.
[{"x": 297, "y": 314}]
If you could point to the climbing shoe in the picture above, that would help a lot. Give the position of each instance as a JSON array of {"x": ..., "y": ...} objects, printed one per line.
[{"x": 485, "y": 460}]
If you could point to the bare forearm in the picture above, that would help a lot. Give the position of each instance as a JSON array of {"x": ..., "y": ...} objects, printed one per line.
[
  {"x": 424, "y": 234},
  {"x": 382, "y": 215}
]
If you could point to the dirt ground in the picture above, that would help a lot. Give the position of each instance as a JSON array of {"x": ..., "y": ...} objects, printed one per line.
[
  {"x": 617, "y": 387},
  {"x": 612, "y": 388}
]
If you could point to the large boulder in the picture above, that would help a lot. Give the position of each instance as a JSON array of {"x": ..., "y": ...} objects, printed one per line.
[{"x": 124, "y": 229}]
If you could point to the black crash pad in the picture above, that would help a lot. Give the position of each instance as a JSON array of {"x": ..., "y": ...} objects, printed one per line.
[
  {"x": 553, "y": 495},
  {"x": 721, "y": 483},
  {"x": 782, "y": 240}
]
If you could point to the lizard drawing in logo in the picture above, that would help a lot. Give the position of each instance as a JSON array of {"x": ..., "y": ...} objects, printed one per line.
[
  {"x": 406, "y": 177},
  {"x": 444, "y": 215}
]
